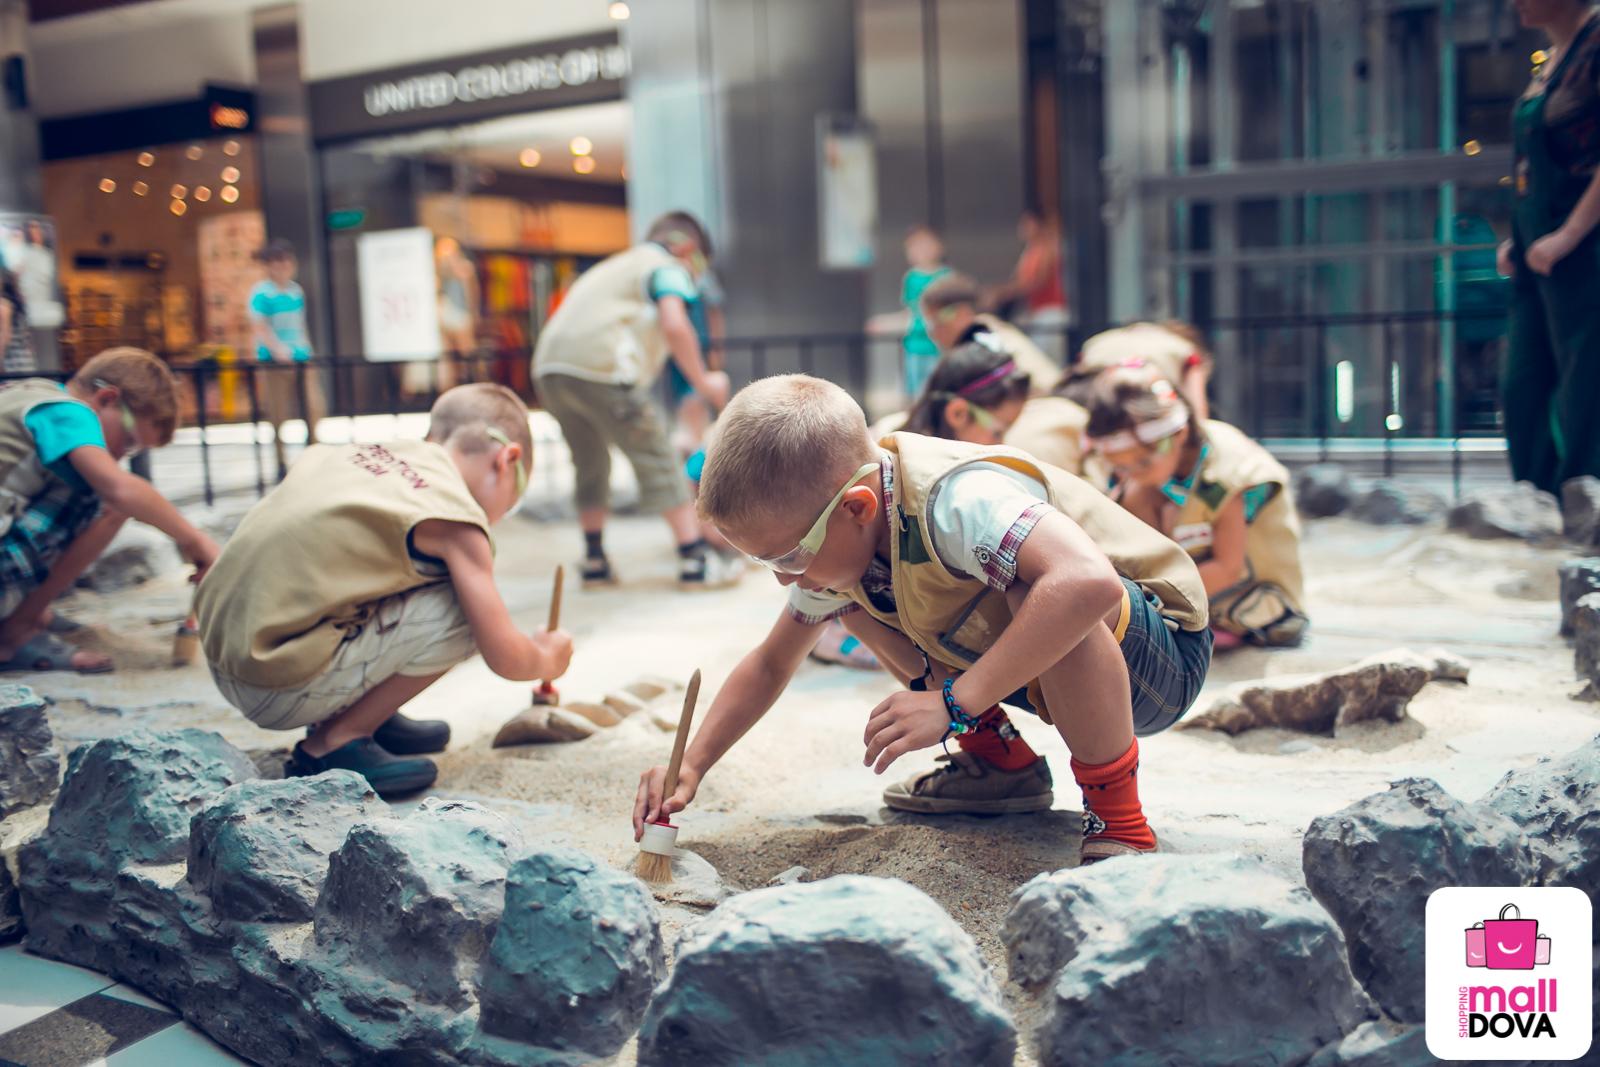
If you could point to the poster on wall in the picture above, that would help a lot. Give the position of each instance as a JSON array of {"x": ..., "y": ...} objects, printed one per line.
[
  {"x": 399, "y": 294},
  {"x": 847, "y": 192}
]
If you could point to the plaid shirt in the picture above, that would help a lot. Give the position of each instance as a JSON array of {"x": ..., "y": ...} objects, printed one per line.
[{"x": 51, "y": 521}]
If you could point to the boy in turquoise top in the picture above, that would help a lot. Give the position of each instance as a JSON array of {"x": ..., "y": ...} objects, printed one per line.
[
  {"x": 64, "y": 495},
  {"x": 278, "y": 327},
  {"x": 925, "y": 254}
]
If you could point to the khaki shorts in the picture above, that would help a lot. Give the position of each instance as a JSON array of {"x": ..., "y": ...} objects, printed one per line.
[
  {"x": 593, "y": 417},
  {"x": 278, "y": 391},
  {"x": 418, "y": 633}
]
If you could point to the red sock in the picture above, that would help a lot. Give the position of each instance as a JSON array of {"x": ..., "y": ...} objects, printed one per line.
[
  {"x": 1111, "y": 795},
  {"x": 997, "y": 742}
]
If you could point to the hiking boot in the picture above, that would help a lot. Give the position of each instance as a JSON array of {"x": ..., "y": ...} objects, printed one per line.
[
  {"x": 709, "y": 570},
  {"x": 596, "y": 571},
  {"x": 963, "y": 784},
  {"x": 388, "y": 775},
  {"x": 1095, "y": 848},
  {"x": 412, "y": 737}
]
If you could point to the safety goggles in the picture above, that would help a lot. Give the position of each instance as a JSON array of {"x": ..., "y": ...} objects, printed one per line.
[
  {"x": 497, "y": 434},
  {"x": 1157, "y": 433},
  {"x": 987, "y": 420},
  {"x": 130, "y": 425},
  {"x": 797, "y": 559}
]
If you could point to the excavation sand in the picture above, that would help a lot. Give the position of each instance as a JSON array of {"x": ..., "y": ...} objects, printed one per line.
[{"x": 794, "y": 793}]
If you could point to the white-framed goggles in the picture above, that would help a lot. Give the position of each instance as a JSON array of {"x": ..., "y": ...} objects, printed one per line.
[
  {"x": 797, "y": 559},
  {"x": 1145, "y": 433}
]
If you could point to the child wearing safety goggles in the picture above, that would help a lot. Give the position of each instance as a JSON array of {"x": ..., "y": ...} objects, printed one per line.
[
  {"x": 64, "y": 493},
  {"x": 362, "y": 578},
  {"x": 1218, "y": 494},
  {"x": 976, "y": 575}
]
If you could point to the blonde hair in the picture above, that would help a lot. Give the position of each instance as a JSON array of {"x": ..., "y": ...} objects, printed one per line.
[
  {"x": 462, "y": 416},
  {"x": 147, "y": 385},
  {"x": 780, "y": 450}
]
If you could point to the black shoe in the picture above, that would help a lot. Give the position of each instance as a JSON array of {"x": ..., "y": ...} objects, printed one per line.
[
  {"x": 412, "y": 737},
  {"x": 595, "y": 571},
  {"x": 388, "y": 775}
]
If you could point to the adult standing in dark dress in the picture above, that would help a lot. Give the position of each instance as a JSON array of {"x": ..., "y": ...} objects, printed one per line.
[{"x": 1551, "y": 387}]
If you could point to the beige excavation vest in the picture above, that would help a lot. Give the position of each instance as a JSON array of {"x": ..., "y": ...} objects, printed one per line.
[
  {"x": 309, "y": 561},
  {"x": 1155, "y": 345},
  {"x": 22, "y": 476},
  {"x": 955, "y": 619},
  {"x": 606, "y": 328},
  {"x": 1269, "y": 601},
  {"x": 1043, "y": 372},
  {"x": 1050, "y": 429}
]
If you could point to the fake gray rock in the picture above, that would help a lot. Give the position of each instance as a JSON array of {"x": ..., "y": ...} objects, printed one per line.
[
  {"x": 1378, "y": 687},
  {"x": 1373, "y": 864},
  {"x": 10, "y": 906},
  {"x": 695, "y": 882},
  {"x": 1580, "y": 510},
  {"x": 29, "y": 766},
  {"x": 1557, "y": 804},
  {"x": 260, "y": 849},
  {"x": 1387, "y": 503},
  {"x": 1579, "y": 578},
  {"x": 846, "y": 970},
  {"x": 416, "y": 900},
  {"x": 1518, "y": 511},
  {"x": 1586, "y": 638},
  {"x": 1379, "y": 1043},
  {"x": 1322, "y": 490},
  {"x": 1117, "y": 948},
  {"x": 124, "y": 800},
  {"x": 136, "y": 555},
  {"x": 576, "y": 956}
]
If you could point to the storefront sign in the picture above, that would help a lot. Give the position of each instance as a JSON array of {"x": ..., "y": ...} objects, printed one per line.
[
  {"x": 399, "y": 295},
  {"x": 577, "y": 70}
]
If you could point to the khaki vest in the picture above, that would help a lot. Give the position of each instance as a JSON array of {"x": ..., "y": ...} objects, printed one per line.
[
  {"x": 308, "y": 562},
  {"x": 22, "y": 476},
  {"x": 1043, "y": 371},
  {"x": 1271, "y": 596},
  {"x": 1050, "y": 429},
  {"x": 955, "y": 619},
  {"x": 1157, "y": 346},
  {"x": 606, "y": 328}
]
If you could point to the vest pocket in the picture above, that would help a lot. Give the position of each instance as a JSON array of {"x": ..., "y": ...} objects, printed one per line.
[{"x": 974, "y": 630}]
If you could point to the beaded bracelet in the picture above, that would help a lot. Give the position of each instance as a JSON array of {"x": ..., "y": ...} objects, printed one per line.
[{"x": 960, "y": 721}]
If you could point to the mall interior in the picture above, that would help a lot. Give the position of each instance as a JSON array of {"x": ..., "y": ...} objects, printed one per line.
[{"x": 1319, "y": 185}]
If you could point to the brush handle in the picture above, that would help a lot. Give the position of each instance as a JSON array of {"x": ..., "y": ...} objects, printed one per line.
[
  {"x": 681, "y": 742},
  {"x": 555, "y": 599}
]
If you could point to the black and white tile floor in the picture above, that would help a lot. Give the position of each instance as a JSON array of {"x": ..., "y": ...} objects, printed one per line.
[{"x": 56, "y": 1015}]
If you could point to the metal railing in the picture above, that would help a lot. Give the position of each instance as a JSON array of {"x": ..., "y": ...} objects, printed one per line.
[{"x": 1300, "y": 380}]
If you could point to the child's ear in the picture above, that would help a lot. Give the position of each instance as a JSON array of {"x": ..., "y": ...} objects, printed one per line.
[
  {"x": 957, "y": 412},
  {"x": 861, "y": 504}
]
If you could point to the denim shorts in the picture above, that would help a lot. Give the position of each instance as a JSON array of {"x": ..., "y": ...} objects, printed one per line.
[{"x": 1166, "y": 666}]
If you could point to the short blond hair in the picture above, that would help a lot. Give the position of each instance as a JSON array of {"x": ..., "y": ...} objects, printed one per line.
[
  {"x": 462, "y": 416},
  {"x": 780, "y": 450},
  {"x": 147, "y": 385}
]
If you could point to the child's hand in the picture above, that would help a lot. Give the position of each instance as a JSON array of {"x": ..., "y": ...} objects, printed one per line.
[
  {"x": 904, "y": 723},
  {"x": 202, "y": 551},
  {"x": 555, "y": 648},
  {"x": 649, "y": 806}
]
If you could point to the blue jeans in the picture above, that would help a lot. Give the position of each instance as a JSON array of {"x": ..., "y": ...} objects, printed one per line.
[{"x": 1166, "y": 666}]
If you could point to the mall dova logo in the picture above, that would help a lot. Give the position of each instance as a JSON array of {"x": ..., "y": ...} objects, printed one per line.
[{"x": 1517, "y": 983}]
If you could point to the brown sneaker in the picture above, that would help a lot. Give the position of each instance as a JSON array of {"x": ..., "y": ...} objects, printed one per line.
[
  {"x": 966, "y": 785},
  {"x": 1096, "y": 847}
]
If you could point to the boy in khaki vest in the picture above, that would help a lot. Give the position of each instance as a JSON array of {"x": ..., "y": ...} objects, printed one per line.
[
  {"x": 975, "y": 573},
  {"x": 64, "y": 493},
  {"x": 366, "y": 575}
]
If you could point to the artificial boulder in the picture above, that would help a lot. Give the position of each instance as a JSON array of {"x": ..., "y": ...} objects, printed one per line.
[
  {"x": 1323, "y": 490},
  {"x": 260, "y": 850},
  {"x": 1379, "y": 687},
  {"x": 1580, "y": 510},
  {"x": 1116, "y": 948},
  {"x": 846, "y": 970},
  {"x": 1586, "y": 638},
  {"x": 575, "y": 958},
  {"x": 29, "y": 766},
  {"x": 1388, "y": 503},
  {"x": 415, "y": 901},
  {"x": 1378, "y": 1043},
  {"x": 10, "y": 906},
  {"x": 1557, "y": 804},
  {"x": 1518, "y": 511},
  {"x": 1579, "y": 578},
  {"x": 1373, "y": 864},
  {"x": 136, "y": 555}
]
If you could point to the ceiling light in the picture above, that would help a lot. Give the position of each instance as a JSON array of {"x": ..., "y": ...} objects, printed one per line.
[
  {"x": 230, "y": 174},
  {"x": 583, "y": 164},
  {"x": 107, "y": 185},
  {"x": 202, "y": 193},
  {"x": 619, "y": 12},
  {"x": 195, "y": 151},
  {"x": 581, "y": 146},
  {"x": 140, "y": 188},
  {"x": 230, "y": 148},
  {"x": 1472, "y": 148},
  {"x": 529, "y": 157},
  {"x": 177, "y": 207},
  {"x": 229, "y": 194},
  {"x": 147, "y": 159},
  {"x": 179, "y": 192}
]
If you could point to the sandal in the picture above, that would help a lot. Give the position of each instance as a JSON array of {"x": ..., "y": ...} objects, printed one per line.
[
  {"x": 59, "y": 624},
  {"x": 47, "y": 653}
]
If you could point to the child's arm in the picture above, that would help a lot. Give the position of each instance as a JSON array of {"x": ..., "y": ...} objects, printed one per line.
[
  {"x": 509, "y": 652},
  {"x": 1228, "y": 531},
  {"x": 1071, "y": 588},
  {"x": 747, "y": 695},
  {"x": 133, "y": 496},
  {"x": 673, "y": 316}
]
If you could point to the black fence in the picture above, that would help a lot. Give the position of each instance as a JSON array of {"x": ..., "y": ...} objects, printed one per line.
[{"x": 1319, "y": 382}]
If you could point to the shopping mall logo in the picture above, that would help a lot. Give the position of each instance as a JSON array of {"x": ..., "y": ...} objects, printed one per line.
[{"x": 1508, "y": 973}]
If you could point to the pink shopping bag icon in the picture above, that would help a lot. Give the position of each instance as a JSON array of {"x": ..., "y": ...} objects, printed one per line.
[
  {"x": 1510, "y": 944},
  {"x": 1476, "y": 956},
  {"x": 1541, "y": 954}
]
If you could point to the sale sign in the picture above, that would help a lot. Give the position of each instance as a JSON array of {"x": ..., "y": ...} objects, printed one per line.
[{"x": 399, "y": 295}]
